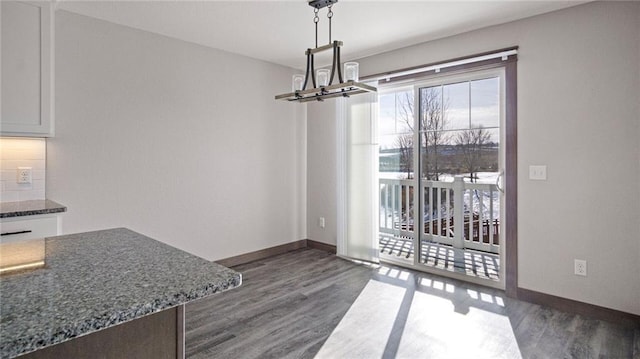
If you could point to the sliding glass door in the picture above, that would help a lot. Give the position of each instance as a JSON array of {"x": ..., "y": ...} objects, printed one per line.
[{"x": 440, "y": 168}]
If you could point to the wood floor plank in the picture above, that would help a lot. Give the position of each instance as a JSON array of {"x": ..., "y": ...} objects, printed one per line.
[
  {"x": 585, "y": 342},
  {"x": 306, "y": 304},
  {"x": 614, "y": 342},
  {"x": 554, "y": 338}
]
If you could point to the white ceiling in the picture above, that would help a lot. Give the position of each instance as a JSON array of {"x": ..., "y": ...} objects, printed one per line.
[{"x": 280, "y": 31}]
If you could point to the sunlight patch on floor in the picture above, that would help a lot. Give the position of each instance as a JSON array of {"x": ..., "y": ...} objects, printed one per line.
[
  {"x": 363, "y": 331},
  {"x": 434, "y": 330},
  {"x": 403, "y": 320}
]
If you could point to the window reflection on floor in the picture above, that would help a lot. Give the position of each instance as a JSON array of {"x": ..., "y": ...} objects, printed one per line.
[{"x": 403, "y": 314}]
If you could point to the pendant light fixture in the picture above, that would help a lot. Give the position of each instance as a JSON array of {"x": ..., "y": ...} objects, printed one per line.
[{"x": 317, "y": 85}]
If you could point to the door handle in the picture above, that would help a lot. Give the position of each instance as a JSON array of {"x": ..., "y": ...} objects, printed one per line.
[{"x": 498, "y": 180}]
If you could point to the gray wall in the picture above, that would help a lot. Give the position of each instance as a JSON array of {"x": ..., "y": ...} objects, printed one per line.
[
  {"x": 578, "y": 113},
  {"x": 174, "y": 140},
  {"x": 321, "y": 171}
]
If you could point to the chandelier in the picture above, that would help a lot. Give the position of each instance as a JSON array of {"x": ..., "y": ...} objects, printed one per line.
[{"x": 317, "y": 85}]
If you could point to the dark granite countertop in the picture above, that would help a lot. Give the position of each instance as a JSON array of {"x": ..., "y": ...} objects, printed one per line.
[
  {"x": 95, "y": 280},
  {"x": 30, "y": 208}
]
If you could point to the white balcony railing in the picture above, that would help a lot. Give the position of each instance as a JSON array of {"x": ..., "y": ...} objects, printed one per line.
[{"x": 460, "y": 214}]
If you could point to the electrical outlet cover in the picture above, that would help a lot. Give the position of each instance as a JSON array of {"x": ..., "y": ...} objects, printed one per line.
[
  {"x": 24, "y": 175},
  {"x": 580, "y": 267}
]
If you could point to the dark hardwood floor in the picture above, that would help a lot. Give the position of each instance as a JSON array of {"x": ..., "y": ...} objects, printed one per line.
[{"x": 310, "y": 303}]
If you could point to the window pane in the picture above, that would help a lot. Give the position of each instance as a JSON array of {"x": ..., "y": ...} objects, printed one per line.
[
  {"x": 456, "y": 106},
  {"x": 386, "y": 116},
  {"x": 476, "y": 154},
  {"x": 435, "y": 152},
  {"x": 404, "y": 111},
  {"x": 485, "y": 103},
  {"x": 396, "y": 112},
  {"x": 396, "y": 156},
  {"x": 431, "y": 114}
]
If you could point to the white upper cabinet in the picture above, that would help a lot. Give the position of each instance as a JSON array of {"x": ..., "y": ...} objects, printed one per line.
[{"x": 27, "y": 101}]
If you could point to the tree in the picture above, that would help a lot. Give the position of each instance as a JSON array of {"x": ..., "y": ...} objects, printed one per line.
[
  {"x": 433, "y": 120},
  {"x": 405, "y": 148},
  {"x": 470, "y": 144}
]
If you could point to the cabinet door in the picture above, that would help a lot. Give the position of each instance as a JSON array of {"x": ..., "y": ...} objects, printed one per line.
[{"x": 27, "y": 69}]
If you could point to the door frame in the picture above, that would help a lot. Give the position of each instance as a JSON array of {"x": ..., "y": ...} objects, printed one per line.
[
  {"x": 509, "y": 213},
  {"x": 417, "y": 164}
]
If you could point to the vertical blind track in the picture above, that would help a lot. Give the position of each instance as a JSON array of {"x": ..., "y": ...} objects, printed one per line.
[{"x": 496, "y": 55}]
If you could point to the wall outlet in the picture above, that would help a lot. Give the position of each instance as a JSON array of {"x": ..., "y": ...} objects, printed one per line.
[
  {"x": 24, "y": 175},
  {"x": 580, "y": 267},
  {"x": 321, "y": 222}
]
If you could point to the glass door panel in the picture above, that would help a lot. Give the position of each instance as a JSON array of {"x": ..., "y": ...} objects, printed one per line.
[
  {"x": 459, "y": 162},
  {"x": 396, "y": 175}
]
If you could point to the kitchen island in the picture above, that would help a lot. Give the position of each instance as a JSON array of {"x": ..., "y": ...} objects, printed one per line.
[{"x": 111, "y": 293}]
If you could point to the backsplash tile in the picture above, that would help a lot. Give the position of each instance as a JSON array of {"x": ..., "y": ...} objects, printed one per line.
[{"x": 22, "y": 152}]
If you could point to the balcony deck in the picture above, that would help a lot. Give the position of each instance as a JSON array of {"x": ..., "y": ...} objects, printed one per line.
[{"x": 465, "y": 261}]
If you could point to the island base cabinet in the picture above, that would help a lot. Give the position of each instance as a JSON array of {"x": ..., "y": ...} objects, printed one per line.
[{"x": 157, "y": 336}]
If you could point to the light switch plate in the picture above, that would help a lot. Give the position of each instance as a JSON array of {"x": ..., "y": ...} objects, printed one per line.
[{"x": 538, "y": 173}]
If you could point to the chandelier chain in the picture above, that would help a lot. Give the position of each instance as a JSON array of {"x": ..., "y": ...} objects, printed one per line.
[
  {"x": 316, "y": 19},
  {"x": 329, "y": 15}
]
